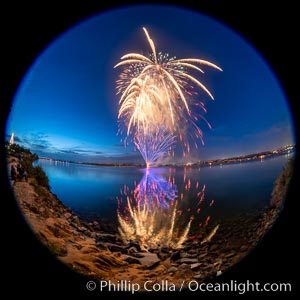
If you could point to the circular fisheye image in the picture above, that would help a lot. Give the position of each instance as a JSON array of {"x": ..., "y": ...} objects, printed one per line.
[{"x": 147, "y": 152}]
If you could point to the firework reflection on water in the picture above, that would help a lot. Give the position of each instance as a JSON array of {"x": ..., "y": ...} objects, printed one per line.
[{"x": 153, "y": 214}]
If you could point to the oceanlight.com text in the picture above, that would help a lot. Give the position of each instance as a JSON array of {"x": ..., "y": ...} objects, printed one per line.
[{"x": 239, "y": 287}]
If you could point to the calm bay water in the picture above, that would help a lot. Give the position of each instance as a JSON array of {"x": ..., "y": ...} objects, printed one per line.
[{"x": 220, "y": 192}]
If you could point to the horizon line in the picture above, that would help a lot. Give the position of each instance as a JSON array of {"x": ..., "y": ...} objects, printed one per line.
[{"x": 270, "y": 152}]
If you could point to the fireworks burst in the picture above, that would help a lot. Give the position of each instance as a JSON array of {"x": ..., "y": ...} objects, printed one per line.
[
  {"x": 158, "y": 91},
  {"x": 155, "y": 145},
  {"x": 170, "y": 74},
  {"x": 138, "y": 108}
]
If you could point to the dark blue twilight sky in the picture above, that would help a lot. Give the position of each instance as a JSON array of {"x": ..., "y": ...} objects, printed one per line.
[{"x": 66, "y": 106}]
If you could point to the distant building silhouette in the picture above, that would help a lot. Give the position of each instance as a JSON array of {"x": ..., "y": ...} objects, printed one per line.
[{"x": 12, "y": 139}]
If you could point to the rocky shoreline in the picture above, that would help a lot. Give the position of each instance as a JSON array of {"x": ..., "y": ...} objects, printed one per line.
[{"x": 99, "y": 253}]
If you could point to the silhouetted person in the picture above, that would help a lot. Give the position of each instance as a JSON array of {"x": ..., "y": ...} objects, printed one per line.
[
  {"x": 13, "y": 173},
  {"x": 22, "y": 173},
  {"x": 25, "y": 175}
]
